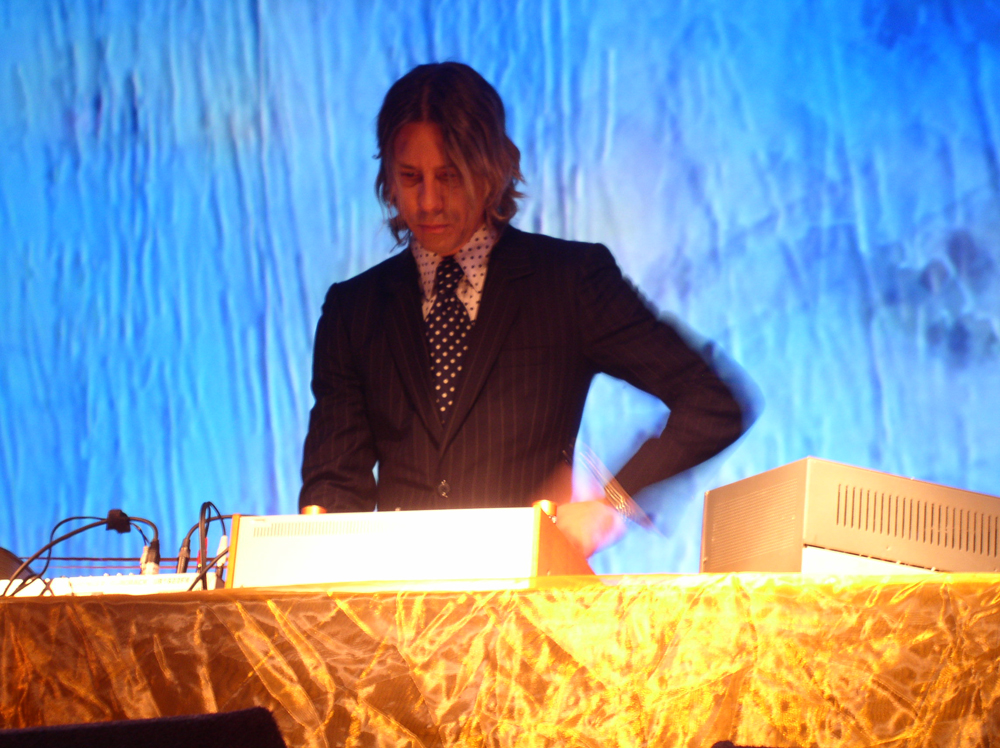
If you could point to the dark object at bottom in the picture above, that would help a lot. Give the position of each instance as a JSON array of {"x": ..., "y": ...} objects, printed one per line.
[
  {"x": 248, "y": 728},
  {"x": 730, "y": 744}
]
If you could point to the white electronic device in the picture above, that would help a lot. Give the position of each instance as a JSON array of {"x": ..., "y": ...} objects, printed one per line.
[
  {"x": 428, "y": 549},
  {"x": 814, "y": 515},
  {"x": 107, "y": 584}
]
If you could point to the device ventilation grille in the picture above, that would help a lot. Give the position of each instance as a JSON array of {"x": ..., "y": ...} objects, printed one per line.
[
  {"x": 302, "y": 529},
  {"x": 925, "y": 522},
  {"x": 736, "y": 533}
]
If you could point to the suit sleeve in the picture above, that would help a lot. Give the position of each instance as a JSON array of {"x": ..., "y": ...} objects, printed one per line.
[
  {"x": 623, "y": 337},
  {"x": 339, "y": 452}
]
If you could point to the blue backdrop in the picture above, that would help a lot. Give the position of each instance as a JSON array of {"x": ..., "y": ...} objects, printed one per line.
[{"x": 813, "y": 185}]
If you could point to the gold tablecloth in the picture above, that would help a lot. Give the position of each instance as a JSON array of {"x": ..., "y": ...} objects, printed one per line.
[{"x": 778, "y": 660}]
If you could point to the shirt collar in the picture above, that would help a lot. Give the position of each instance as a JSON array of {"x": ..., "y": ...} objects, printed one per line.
[{"x": 472, "y": 257}]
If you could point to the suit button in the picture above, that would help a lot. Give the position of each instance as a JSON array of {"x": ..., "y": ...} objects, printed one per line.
[{"x": 443, "y": 489}]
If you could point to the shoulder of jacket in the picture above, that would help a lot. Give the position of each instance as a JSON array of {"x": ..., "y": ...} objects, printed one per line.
[
  {"x": 376, "y": 278},
  {"x": 552, "y": 249}
]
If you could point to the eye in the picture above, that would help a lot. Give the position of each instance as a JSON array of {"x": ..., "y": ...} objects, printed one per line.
[
  {"x": 408, "y": 176},
  {"x": 451, "y": 177}
]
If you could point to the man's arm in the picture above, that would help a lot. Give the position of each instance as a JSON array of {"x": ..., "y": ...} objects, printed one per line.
[
  {"x": 339, "y": 453},
  {"x": 623, "y": 336}
]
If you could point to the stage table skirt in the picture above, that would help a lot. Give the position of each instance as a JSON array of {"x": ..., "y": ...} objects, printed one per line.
[{"x": 759, "y": 659}]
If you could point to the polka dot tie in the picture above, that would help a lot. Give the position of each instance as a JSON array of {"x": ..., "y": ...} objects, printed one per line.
[{"x": 448, "y": 327}]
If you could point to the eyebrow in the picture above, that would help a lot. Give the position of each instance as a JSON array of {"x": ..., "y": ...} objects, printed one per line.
[{"x": 402, "y": 165}]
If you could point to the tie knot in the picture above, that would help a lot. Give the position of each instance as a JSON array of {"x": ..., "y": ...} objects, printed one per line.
[{"x": 449, "y": 273}]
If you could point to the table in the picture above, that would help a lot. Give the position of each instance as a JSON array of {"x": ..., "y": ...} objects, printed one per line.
[{"x": 778, "y": 660}]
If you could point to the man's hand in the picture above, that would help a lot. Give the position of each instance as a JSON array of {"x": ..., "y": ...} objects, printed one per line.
[{"x": 590, "y": 526}]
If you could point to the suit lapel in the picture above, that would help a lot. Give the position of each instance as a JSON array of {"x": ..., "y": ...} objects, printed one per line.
[
  {"x": 508, "y": 264},
  {"x": 406, "y": 335}
]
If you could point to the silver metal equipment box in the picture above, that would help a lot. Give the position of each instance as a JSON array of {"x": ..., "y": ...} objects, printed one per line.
[{"x": 814, "y": 515}]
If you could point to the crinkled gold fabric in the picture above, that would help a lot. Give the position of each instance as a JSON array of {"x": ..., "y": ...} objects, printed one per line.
[{"x": 778, "y": 660}]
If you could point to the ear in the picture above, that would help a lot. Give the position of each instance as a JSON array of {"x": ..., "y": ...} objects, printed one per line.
[{"x": 390, "y": 190}]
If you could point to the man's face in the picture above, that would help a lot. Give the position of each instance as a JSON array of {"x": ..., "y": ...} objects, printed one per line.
[{"x": 428, "y": 191}]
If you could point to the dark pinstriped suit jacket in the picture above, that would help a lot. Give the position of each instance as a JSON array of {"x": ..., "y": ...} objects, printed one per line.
[{"x": 553, "y": 313}]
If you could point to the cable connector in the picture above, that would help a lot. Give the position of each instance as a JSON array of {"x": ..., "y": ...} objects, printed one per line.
[
  {"x": 184, "y": 556},
  {"x": 149, "y": 563}
]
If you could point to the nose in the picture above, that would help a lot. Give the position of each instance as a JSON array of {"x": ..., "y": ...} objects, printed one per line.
[{"x": 431, "y": 197}]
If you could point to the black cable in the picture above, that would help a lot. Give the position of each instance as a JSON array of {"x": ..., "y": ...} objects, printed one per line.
[
  {"x": 203, "y": 541},
  {"x": 184, "y": 554},
  {"x": 202, "y": 575},
  {"x": 28, "y": 580},
  {"x": 151, "y": 549},
  {"x": 156, "y": 532},
  {"x": 225, "y": 538},
  {"x": 48, "y": 558},
  {"x": 116, "y": 519},
  {"x": 145, "y": 540},
  {"x": 222, "y": 518}
]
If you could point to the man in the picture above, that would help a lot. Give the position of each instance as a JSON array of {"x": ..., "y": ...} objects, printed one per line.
[{"x": 460, "y": 366}]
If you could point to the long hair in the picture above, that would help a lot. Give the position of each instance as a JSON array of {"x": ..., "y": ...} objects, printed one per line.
[{"x": 471, "y": 117}]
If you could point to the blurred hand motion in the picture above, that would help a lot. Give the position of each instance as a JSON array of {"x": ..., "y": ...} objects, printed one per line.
[{"x": 590, "y": 525}]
